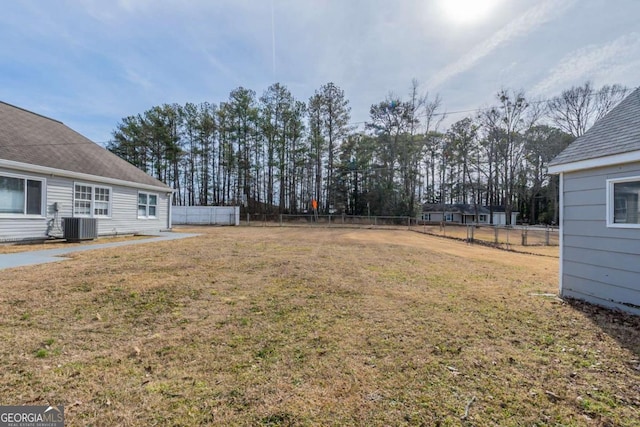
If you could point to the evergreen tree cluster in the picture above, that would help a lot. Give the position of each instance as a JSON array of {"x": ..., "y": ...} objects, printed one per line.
[{"x": 275, "y": 154}]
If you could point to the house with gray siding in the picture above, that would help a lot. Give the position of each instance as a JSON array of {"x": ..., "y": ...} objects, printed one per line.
[
  {"x": 49, "y": 172},
  {"x": 600, "y": 211},
  {"x": 464, "y": 213}
]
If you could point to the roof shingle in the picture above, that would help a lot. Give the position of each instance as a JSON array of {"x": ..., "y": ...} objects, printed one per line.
[
  {"x": 617, "y": 132},
  {"x": 27, "y": 137}
]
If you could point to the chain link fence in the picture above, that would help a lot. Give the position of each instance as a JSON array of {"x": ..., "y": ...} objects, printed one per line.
[
  {"x": 506, "y": 237},
  {"x": 501, "y": 236},
  {"x": 311, "y": 220}
]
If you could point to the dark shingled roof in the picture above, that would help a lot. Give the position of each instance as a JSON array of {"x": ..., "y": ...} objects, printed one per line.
[
  {"x": 28, "y": 137},
  {"x": 461, "y": 208},
  {"x": 617, "y": 132}
]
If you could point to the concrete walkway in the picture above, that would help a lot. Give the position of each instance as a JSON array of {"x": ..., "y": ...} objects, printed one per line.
[{"x": 21, "y": 259}]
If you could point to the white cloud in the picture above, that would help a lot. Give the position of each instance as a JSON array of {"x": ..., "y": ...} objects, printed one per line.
[
  {"x": 519, "y": 27},
  {"x": 137, "y": 79},
  {"x": 595, "y": 62},
  {"x": 112, "y": 59}
]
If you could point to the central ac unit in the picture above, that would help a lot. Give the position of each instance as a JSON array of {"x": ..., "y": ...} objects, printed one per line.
[{"x": 77, "y": 229}]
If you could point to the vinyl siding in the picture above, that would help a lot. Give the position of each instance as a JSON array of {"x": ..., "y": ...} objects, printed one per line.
[
  {"x": 16, "y": 228},
  {"x": 123, "y": 219},
  {"x": 600, "y": 264},
  {"x": 500, "y": 218},
  {"x": 124, "y": 214}
]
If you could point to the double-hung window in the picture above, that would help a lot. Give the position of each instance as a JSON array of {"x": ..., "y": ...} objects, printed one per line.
[
  {"x": 21, "y": 195},
  {"x": 147, "y": 205},
  {"x": 623, "y": 207},
  {"x": 91, "y": 201}
]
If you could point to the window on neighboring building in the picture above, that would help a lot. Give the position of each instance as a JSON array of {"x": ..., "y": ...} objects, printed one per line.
[
  {"x": 623, "y": 207},
  {"x": 482, "y": 218},
  {"x": 147, "y": 205},
  {"x": 426, "y": 216},
  {"x": 448, "y": 217},
  {"x": 91, "y": 201},
  {"x": 21, "y": 196},
  {"x": 101, "y": 201}
]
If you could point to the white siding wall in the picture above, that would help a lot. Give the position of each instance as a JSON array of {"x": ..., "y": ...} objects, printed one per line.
[
  {"x": 600, "y": 264},
  {"x": 457, "y": 218},
  {"x": 434, "y": 216},
  {"x": 500, "y": 218},
  {"x": 124, "y": 212},
  {"x": 17, "y": 228}
]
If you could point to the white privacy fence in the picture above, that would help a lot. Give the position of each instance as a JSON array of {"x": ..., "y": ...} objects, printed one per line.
[{"x": 205, "y": 215}]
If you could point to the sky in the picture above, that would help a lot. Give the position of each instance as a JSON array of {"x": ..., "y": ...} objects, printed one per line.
[{"x": 91, "y": 63}]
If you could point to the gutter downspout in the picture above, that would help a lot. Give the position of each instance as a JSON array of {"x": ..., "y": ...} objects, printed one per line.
[
  {"x": 561, "y": 233},
  {"x": 169, "y": 210}
]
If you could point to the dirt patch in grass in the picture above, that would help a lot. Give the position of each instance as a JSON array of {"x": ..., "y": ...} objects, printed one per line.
[{"x": 288, "y": 326}]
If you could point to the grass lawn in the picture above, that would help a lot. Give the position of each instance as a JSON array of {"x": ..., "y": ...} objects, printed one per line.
[{"x": 293, "y": 326}]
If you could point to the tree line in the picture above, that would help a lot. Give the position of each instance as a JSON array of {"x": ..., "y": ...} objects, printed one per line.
[{"x": 275, "y": 154}]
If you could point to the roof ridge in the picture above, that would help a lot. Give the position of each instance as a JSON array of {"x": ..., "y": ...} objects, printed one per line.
[
  {"x": 31, "y": 112},
  {"x": 616, "y": 133}
]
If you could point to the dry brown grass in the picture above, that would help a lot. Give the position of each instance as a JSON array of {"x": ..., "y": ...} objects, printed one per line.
[
  {"x": 507, "y": 239},
  {"x": 12, "y": 248},
  {"x": 290, "y": 326}
]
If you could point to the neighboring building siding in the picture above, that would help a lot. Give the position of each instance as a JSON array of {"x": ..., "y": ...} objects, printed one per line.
[
  {"x": 457, "y": 218},
  {"x": 500, "y": 218},
  {"x": 434, "y": 216},
  {"x": 600, "y": 264},
  {"x": 124, "y": 211}
]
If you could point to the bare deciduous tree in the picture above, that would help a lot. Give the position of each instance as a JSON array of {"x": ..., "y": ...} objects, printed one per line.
[{"x": 577, "y": 109}]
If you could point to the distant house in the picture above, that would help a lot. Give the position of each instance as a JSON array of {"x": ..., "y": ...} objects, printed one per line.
[
  {"x": 462, "y": 213},
  {"x": 49, "y": 172},
  {"x": 500, "y": 216},
  {"x": 600, "y": 210}
]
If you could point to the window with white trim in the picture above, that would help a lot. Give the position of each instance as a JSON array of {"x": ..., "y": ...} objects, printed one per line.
[
  {"x": 21, "y": 195},
  {"x": 623, "y": 207},
  {"x": 147, "y": 205},
  {"x": 426, "y": 216},
  {"x": 91, "y": 201},
  {"x": 448, "y": 217},
  {"x": 482, "y": 218}
]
